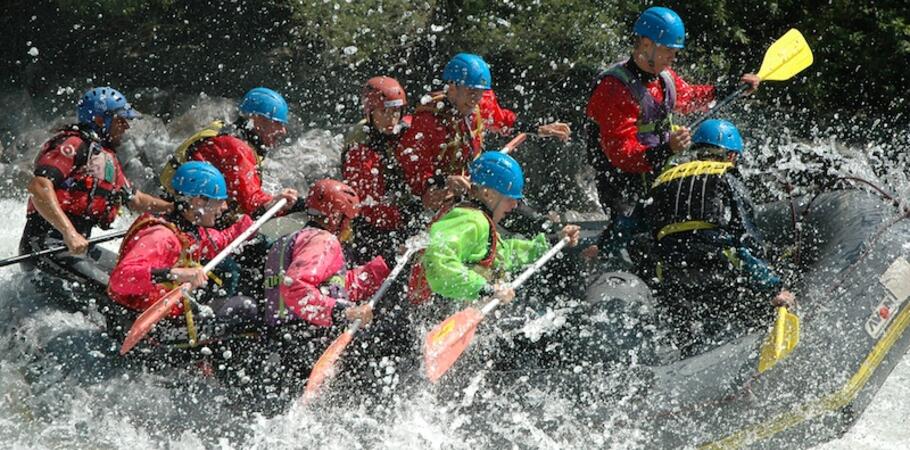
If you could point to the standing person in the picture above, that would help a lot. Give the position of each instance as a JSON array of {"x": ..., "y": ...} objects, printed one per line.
[
  {"x": 447, "y": 131},
  {"x": 79, "y": 184},
  {"x": 631, "y": 130},
  {"x": 709, "y": 252},
  {"x": 238, "y": 149},
  {"x": 389, "y": 213},
  {"x": 466, "y": 257}
]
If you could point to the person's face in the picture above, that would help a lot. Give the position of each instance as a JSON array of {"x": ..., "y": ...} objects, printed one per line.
[
  {"x": 500, "y": 205},
  {"x": 386, "y": 119},
  {"x": 118, "y": 128},
  {"x": 654, "y": 58},
  {"x": 205, "y": 211},
  {"x": 269, "y": 131},
  {"x": 464, "y": 98}
]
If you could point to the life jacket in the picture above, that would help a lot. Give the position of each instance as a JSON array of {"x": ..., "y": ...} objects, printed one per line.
[
  {"x": 655, "y": 120},
  {"x": 466, "y": 134},
  {"x": 419, "y": 290},
  {"x": 276, "y": 266},
  {"x": 96, "y": 187},
  {"x": 692, "y": 196},
  {"x": 187, "y": 259},
  {"x": 185, "y": 153}
]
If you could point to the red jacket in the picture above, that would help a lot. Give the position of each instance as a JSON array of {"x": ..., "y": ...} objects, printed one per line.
[
  {"x": 371, "y": 169},
  {"x": 616, "y": 112},
  {"x": 439, "y": 144},
  {"x": 316, "y": 259},
  {"x": 237, "y": 160},
  {"x": 154, "y": 244}
]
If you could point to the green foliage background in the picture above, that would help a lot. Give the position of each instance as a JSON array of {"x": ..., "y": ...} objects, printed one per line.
[{"x": 543, "y": 52}]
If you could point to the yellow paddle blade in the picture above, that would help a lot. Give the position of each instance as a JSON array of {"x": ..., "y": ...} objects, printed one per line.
[
  {"x": 783, "y": 339},
  {"x": 787, "y": 57}
]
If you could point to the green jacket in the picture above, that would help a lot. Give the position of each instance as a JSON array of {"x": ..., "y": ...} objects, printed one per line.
[{"x": 460, "y": 240}]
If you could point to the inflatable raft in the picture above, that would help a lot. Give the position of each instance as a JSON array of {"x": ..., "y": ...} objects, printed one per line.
[{"x": 616, "y": 376}]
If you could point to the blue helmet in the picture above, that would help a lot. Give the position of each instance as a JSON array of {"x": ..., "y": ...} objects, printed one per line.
[
  {"x": 199, "y": 179},
  {"x": 500, "y": 172},
  {"x": 106, "y": 102},
  {"x": 265, "y": 102},
  {"x": 661, "y": 25},
  {"x": 719, "y": 133},
  {"x": 469, "y": 70}
]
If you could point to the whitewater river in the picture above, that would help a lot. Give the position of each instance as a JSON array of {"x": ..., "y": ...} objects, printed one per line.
[{"x": 92, "y": 402}]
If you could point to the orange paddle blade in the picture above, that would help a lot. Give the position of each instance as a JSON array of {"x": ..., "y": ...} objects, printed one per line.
[
  {"x": 147, "y": 320},
  {"x": 447, "y": 341},
  {"x": 324, "y": 369}
]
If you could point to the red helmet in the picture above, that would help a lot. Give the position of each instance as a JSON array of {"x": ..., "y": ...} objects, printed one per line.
[
  {"x": 382, "y": 92},
  {"x": 334, "y": 200}
]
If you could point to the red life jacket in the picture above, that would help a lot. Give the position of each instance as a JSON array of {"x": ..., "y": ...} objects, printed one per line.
[
  {"x": 96, "y": 187},
  {"x": 419, "y": 288}
]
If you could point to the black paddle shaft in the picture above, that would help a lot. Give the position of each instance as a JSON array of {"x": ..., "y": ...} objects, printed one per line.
[
  {"x": 62, "y": 248},
  {"x": 726, "y": 101}
]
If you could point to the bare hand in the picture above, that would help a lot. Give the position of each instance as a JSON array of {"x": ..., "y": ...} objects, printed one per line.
[
  {"x": 558, "y": 130},
  {"x": 76, "y": 243},
  {"x": 680, "y": 139},
  {"x": 573, "y": 232},
  {"x": 195, "y": 276},
  {"x": 363, "y": 313},
  {"x": 435, "y": 199},
  {"x": 785, "y": 298},
  {"x": 290, "y": 195},
  {"x": 590, "y": 253},
  {"x": 752, "y": 80},
  {"x": 458, "y": 184},
  {"x": 503, "y": 292}
]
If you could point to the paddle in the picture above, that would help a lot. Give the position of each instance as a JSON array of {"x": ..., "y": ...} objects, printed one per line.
[
  {"x": 786, "y": 57},
  {"x": 62, "y": 248},
  {"x": 515, "y": 142},
  {"x": 783, "y": 338},
  {"x": 325, "y": 367},
  {"x": 445, "y": 343},
  {"x": 161, "y": 308}
]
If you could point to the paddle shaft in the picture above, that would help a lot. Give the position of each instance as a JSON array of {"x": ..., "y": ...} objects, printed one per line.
[
  {"x": 515, "y": 142},
  {"x": 516, "y": 283},
  {"x": 717, "y": 107},
  {"x": 243, "y": 236},
  {"x": 385, "y": 286},
  {"x": 62, "y": 248}
]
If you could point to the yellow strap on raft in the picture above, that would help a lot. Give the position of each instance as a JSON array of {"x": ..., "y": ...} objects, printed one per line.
[
  {"x": 679, "y": 227},
  {"x": 190, "y": 323},
  {"x": 693, "y": 169}
]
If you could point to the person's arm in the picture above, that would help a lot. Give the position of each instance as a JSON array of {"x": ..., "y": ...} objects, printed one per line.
[
  {"x": 214, "y": 240},
  {"x": 515, "y": 254},
  {"x": 142, "y": 202},
  {"x": 504, "y": 121},
  {"x": 692, "y": 97},
  {"x": 417, "y": 151},
  {"x": 362, "y": 170},
  {"x": 44, "y": 198},
  {"x": 362, "y": 282},
  {"x": 458, "y": 239}
]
